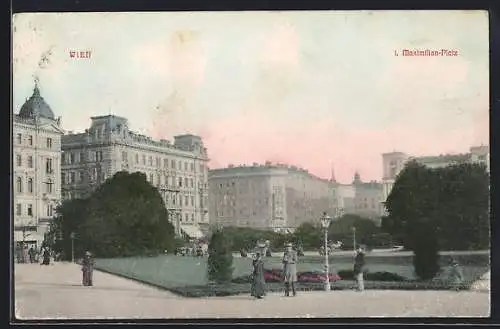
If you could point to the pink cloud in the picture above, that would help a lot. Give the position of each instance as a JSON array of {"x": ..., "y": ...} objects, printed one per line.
[{"x": 256, "y": 138}]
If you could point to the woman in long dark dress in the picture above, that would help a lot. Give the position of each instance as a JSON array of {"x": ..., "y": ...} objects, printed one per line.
[
  {"x": 87, "y": 269},
  {"x": 258, "y": 280},
  {"x": 46, "y": 257}
]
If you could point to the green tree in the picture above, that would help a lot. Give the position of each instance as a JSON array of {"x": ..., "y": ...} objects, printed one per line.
[
  {"x": 426, "y": 250},
  {"x": 310, "y": 235},
  {"x": 454, "y": 200},
  {"x": 342, "y": 230},
  {"x": 125, "y": 216},
  {"x": 220, "y": 258}
]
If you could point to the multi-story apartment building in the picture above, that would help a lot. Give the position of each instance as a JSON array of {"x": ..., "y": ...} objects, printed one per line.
[
  {"x": 394, "y": 162},
  {"x": 178, "y": 170},
  {"x": 274, "y": 197},
  {"x": 36, "y": 169}
]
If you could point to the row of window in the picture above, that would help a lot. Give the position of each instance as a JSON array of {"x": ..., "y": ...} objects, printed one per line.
[
  {"x": 29, "y": 183},
  {"x": 29, "y": 140},
  {"x": 167, "y": 163},
  {"x": 49, "y": 210},
  {"x": 49, "y": 169},
  {"x": 78, "y": 157}
]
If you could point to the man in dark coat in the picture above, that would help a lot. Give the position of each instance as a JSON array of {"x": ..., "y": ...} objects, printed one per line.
[
  {"x": 258, "y": 279},
  {"x": 31, "y": 254},
  {"x": 87, "y": 269},
  {"x": 290, "y": 260},
  {"x": 359, "y": 268}
]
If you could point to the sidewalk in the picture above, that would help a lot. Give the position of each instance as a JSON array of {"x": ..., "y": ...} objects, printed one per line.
[{"x": 55, "y": 292}]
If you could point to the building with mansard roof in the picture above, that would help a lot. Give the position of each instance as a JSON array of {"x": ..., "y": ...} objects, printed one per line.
[
  {"x": 179, "y": 170},
  {"x": 36, "y": 169}
]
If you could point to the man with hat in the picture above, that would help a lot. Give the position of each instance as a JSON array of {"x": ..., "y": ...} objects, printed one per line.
[
  {"x": 87, "y": 269},
  {"x": 290, "y": 260},
  {"x": 359, "y": 267},
  {"x": 456, "y": 275}
]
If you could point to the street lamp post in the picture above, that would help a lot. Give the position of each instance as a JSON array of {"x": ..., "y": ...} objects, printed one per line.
[
  {"x": 325, "y": 223},
  {"x": 354, "y": 238},
  {"x": 72, "y": 236}
]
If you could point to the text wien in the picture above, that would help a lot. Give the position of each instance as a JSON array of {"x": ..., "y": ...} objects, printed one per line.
[{"x": 80, "y": 54}]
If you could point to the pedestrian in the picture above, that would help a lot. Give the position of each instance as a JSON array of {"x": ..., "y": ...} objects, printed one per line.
[
  {"x": 87, "y": 269},
  {"x": 258, "y": 289},
  {"x": 359, "y": 268},
  {"x": 290, "y": 260},
  {"x": 31, "y": 254},
  {"x": 46, "y": 256},
  {"x": 456, "y": 275}
]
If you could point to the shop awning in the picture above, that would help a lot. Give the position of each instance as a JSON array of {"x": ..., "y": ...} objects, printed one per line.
[{"x": 192, "y": 231}]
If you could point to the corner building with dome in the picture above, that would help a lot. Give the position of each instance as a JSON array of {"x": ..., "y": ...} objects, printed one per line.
[{"x": 36, "y": 169}]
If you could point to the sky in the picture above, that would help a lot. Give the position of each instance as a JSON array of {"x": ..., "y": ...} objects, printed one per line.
[{"x": 320, "y": 90}]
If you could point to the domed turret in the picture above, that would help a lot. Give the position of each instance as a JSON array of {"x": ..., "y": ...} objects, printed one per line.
[{"x": 36, "y": 105}]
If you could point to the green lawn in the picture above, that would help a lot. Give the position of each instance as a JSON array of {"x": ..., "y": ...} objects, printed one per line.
[{"x": 176, "y": 271}]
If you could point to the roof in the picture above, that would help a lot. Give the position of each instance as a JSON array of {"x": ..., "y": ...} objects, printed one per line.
[{"x": 36, "y": 106}]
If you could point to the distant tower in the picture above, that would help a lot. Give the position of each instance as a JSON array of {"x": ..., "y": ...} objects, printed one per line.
[
  {"x": 357, "y": 178},
  {"x": 332, "y": 175}
]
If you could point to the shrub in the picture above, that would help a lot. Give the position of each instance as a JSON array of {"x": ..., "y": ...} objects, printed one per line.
[
  {"x": 375, "y": 276},
  {"x": 426, "y": 251},
  {"x": 220, "y": 258}
]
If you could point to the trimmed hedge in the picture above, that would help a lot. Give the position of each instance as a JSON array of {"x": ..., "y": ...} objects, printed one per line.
[
  {"x": 244, "y": 288},
  {"x": 375, "y": 276}
]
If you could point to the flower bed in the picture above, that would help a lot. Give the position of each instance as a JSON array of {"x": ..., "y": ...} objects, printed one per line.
[{"x": 274, "y": 275}]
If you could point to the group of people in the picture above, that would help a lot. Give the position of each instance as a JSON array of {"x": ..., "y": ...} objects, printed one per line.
[
  {"x": 32, "y": 255},
  {"x": 289, "y": 261}
]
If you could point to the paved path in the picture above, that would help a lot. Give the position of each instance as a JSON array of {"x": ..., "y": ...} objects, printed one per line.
[{"x": 55, "y": 292}]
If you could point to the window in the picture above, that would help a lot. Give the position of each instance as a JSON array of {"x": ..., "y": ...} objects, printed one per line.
[
  {"x": 48, "y": 166},
  {"x": 192, "y": 182},
  {"x": 124, "y": 156},
  {"x": 144, "y": 160},
  {"x": 158, "y": 179},
  {"x": 186, "y": 182},
  {"x": 30, "y": 210},
  {"x": 185, "y": 166},
  {"x": 30, "y": 161},
  {"x": 19, "y": 185},
  {"x": 18, "y": 209},
  {"x": 71, "y": 158},
  {"x": 165, "y": 163},
  {"x": 192, "y": 200},
  {"x": 192, "y": 167},
  {"x": 30, "y": 185},
  {"x": 180, "y": 200},
  {"x": 80, "y": 176},
  {"x": 98, "y": 155},
  {"x": 30, "y": 140},
  {"x": 50, "y": 210},
  {"x": 72, "y": 178},
  {"x": 49, "y": 143},
  {"x": 150, "y": 160},
  {"x": 180, "y": 181},
  {"x": 179, "y": 165},
  {"x": 186, "y": 201},
  {"x": 186, "y": 216},
  {"x": 158, "y": 162},
  {"x": 151, "y": 178},
  {"x": 19, "y": 138},
  {"x": 63, "y": 178},
  {"x": 192, "y": 217},
  {"x": 172, "y": 164},
  {"x": 19, "y": 160},
  {"x": 49, "y": 185},
  {"x": 82, "y": 157}
]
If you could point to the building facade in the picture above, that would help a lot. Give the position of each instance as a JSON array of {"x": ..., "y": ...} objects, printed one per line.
[
  {"x": 394, "y": 162},
  {"x": 36, "y": 169},
  {"x": 178, "y": 170},
  {"x": 368, "y": 198},
  {"x": 269, "y": 197}
]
